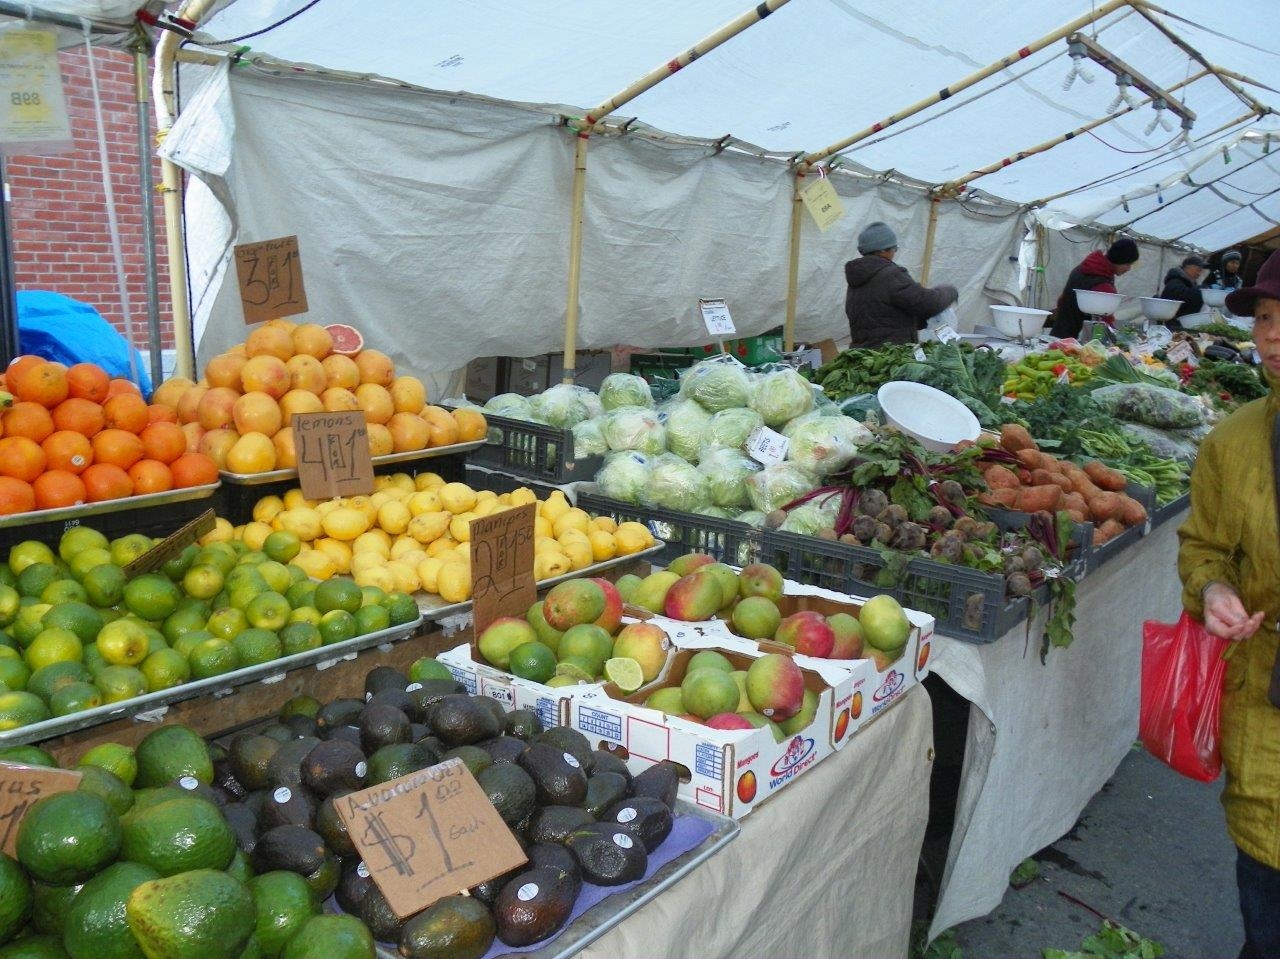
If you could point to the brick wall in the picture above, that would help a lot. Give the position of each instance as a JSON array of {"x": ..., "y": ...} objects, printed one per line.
[{"x": 61, "y": 236}]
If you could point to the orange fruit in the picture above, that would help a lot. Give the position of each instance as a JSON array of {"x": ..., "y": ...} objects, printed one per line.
[
  {"x": 280, "y": 323},
  {"x": 341, "y": 371},
  {"x": 75, "y": 413},
  {"x": 189, "y": 403},
  {"x": 224, "y": 370},
  {"x": 336, "y": 400},
  {"x": 67, "y": 450},
  {"x": 117, "y": 448},
  {"x": 216, "y": 443},
  {"x": 170, "y": 392},
  {"x": 375, "y": 367},
  {"x": 56, "y": 488},
  {"x": 88, "y": 381},
  {"x": 44, "y": 383},
  {"x": 193, "y": 432},
  {"x": 216, "y": 408},
  {"x": 444, "y": 428},
  {"x": 380, "y": 440},
  {"x": 21, "y": 458},
  {"x": 375, "y": 401},
  {"x": 257, "y": 413},
  {"x": 311, "y": 339},
  {"x": 265, "y": 373},
  {"x": 252, "y": 453},
  {"x": 408, "y": 394},
  {"x": 150, "y": 476},
  {"x": 18, "y": 366},
  {"x": 409, "y": 431},
  {"x": 120, "y": 385},
  {"x": 163, "y": 441},
  {"x": 126, "y": 411},
  {"x": 269, "y": 340},
  {"x": 299, "y": 401},
  {"x": 193, "y": 469},
  {"x": 306, "y": 373},
  {"x": 161, "y": 414},
  {"x": 471, "y": 425},
  {"x": 15, "y": 496},
  {"x": 28, "y": 419},
  {"x": 104, "y": 481},
  {"x": 286, "y": 450}
]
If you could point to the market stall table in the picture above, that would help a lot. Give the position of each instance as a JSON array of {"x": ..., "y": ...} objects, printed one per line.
[
  {"x": 1043, "y": 739},
  {"x": 825, "y": 868}
]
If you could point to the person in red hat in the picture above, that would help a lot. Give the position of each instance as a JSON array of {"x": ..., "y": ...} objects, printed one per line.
[{"x": 1229, "y": 563}]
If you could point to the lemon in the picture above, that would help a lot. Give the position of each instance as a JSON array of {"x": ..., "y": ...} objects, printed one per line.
[
  {"x": 425, "y": 501},
  {"x": 555, "y": 506},
  {"x": 572, "y": 518},
  {"x": 394, "y": 517},
  {"x": 606, "y": 523},
  {"x": 542, "y": 528},
  {"x": 457, "y": 497},
  {"x": 453, "y": 581},
  {"x": 406, "y": 544},
  {"x": 337, "y": 551},
  {"x": 267, "y": 509},
  {"x": 405, "y": 577},
  {"x": 426, "y": 528},
  {"x": 378, "y": 576},
  {"x": 632, "y": 537},
  {"x": 486, "y": 507},
  {"x": 428, "y": 570},
  {"x": 27, "y": 553},
  {"x": 374, "y": 541},
  {"x": 316, "y": 564},
  {"x": 603, "y": 545},
  {"x": 302, "y": 521},
  {"x": 460, "y": 527},
  {"x": 580, "y": 553},
  {"x": 550, "y": 564},
  {"x": 78, "y": 539},
  {"x": 364, "y": 561},
  {"x": 221, "y": 532},
  {"x": 523, "y": 496},
  {"x": 428, "y": 481},
  {"x": 442, "y": 547},
  {"x": 345, "y": 523},
  {"x": 255, "y": 534}
]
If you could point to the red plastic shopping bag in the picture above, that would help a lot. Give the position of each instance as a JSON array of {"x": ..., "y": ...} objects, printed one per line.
[{"x": 1182, "y": 673}]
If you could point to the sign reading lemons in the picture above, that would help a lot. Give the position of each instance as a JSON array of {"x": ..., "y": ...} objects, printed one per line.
[
  {"x": 172, "y": 545},
  {"x": 20, "y": 787},
  {"x": 270, "y": 276},
  {"x": 333, "y": 454},
  {"x": 502, "y": 564},
  {"x": 426, "y": 835}
]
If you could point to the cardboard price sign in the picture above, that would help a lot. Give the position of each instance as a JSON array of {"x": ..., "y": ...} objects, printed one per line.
[
  {"x": 333, "y": 454},
  {"x": 270, "y": 275},
  {"x": 502, "y": 565},
  {"x": 20, "y": 786},
  {"x": 172, "y": 545},
  {"x": 429, "y": 834},
  {"x": 715, "y": 314},
  {"x": 823, "y": 203}
]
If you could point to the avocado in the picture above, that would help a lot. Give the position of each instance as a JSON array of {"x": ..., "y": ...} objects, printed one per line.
[
  {"x": 353, "y": 885},
  {"x": 393, "y": 697},
  {"x": 495, "y": 707},
  {"x": 330, "y": 937},
  {"x": 510, "y": 789},
  {"x": 648, "y": 819},
  {"x": 243, "y": 823},
  {"x": 555, "y": 823},
  {"x": 660, "y": 782},
  {"x": 95, "y": 926},
  {"x": 34, "y": 947},
  {"x": 177, "y": 836},
  {"x": 554, "y": 855},
  {"x": 209, "y": 794},
  {"x": 225, "y": 779},
  {"x": 66, "y": 838},
  {"x": 473, "y": 757},
  {"x": 300, "y": 725},
  {"x": 533, "y": 906},
  {"x": 240, "y": 867},
  {"x": 252, "y": 802},
  {"x": 504, "y": 749},
  {"x": 382, "y": 726},
  {"x": 285, "y": 768},
  {"x": 398, "y": 759},
  {"x": 603, "y": 761},
  {"x": 346, "y": 734},
  {"x": 456, "y": 927},
  {"x": 283, "y": 903},
  {"x": 557, "y": 775},
  {"x": 16, "y": 900},
  {"x": 418, "y": 731},
  {"x": 250, "y": 755},
  {"x": 462, "y": 720},
  {"x": 340, "y": 712},
  {"x": 288, "y": 806},
  {"x": 217, "y": 752},
  {"x": 294, "y": 848},
  {"x": 384, "y": 677},
  {"x": 376, "y": 913},
  {"x": 570, "y": 741},
  {"x": 50, "y": 905},
  {"x": 323, "y": 880},
  {"x": 331, "y": 827},
  {"x": 430, "y": 692},
  {"x": 487, "y": 891},
  {"x": 202, "y": 913},
  {"x": 603, "y": 790},
  {"x": 277, "y": 731},
  {"x": 522, "y": 724},
  {"x": 332, "y": 765},
  {"x": 608, "y": 854}
]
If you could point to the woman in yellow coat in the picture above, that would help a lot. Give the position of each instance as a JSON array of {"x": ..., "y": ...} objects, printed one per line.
[{"x": 1229, "y": 562}]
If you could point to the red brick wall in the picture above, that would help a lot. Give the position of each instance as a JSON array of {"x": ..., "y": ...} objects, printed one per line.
[{"x": 61, "y": 235}]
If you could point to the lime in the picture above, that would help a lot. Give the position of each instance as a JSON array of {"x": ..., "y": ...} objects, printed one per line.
[
  {"x": 257, "y": 646},
  {"x": 74, "y": 698},
  {"x": 372, "y": 619},
  {"x": 27, "y": 553},
  {"x": 300, "y": 638},
  {"x": 165, "y": 668},
  {"x": 87, "y": 560},
  {"x": 119, "y": 683},
  {"x": 337, "y": 626},
  {"x": 183, "y": 621},
  {"x": 577, "y": 669},
  {"x": 305, "y": 614},
  {"x": 55, "y": 645},
  {"x": 246, "y": 556},
  {"x": 189, "y": 641},
  {"x": 79, "y": 538},
  {"x": 105, "y": 584},
  {"x": 63, "y": 591},
  {"x": 282, "y": 546},
  {"x": 124, "y": 642},
  {"x": 203, "y": 580},
  {"x": 227, "y": 623},
  {"x": 297, "y": 573},
  {"x": 301, "y": 593},
  {"x": 81, "y": 618},
  {"x": 94, "y": 661},
  {"x": 217, "y": 555},
  {"x": 46, "y": 681},
  {"x": 589, "y": 642},
  {"x": 14, "y": 673},
  {"x": 126, "y": 549},
  {"x": 338, "y": 593},
  {"x": 8, "y": 648},
  {"x": 533, "y": 661},
  {"x": 29, "y": 623},
  {"x": 21, "y": 709},
  {"x": 213, "y": 657},
  {"x": 428, "y": 668},
  {"x": 177, "y": 567},
  {"x": 28, "y": 756},
  {"x": 9, "y": 603},
  {"x": 275, "y": 575},
  {"x": 373, "y": 596},
  {"x": 244, "y": 594},
  {"x": 402, "y": 608},
  {"x": 151, "y": 596},
  {"x": 555, "y": 682},
  {"x": 625, "y": 673},
  {"x": 268, "y": 611},
  {"x": 34, "y": 578},
  {"x": 114, "y": 758},
  {"x": 243, "y": 576}
]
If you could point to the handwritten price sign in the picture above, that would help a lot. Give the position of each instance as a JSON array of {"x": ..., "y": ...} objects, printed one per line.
[
  {"x": 823, "y": 203},
  {"x": 429, "y": 834},
  {"x": 270, "y": 275},
  {"x": 20, "y": 786},
  {"x": 502, "y": 565},
  {"x": 333, "y": 454}
]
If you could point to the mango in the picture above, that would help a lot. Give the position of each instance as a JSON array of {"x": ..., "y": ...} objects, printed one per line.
[
  {"x": 775, "y": 686},
  {"x": 707, "y": 692},
  {"x": 573, "y": 603},
  {"x": 848, "y": 637},
  {"x": 756, "y": 617},
  {"x": 651, "y": 593},
  {"x": 802, "y": 719},
  {"x": 884, "y": 625},
  {"x": 694, "y": 598},
  {"x": 686, "y": 564},
  {"x": 808, "y": 633},
  {"x": 502, "y": 636},
  {"x": 760, "y": 579}
]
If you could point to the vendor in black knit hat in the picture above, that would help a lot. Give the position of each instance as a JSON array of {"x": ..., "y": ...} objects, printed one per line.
[
  {"x": 1097, "y": 272},
  {"x": 884, "y": 304},
  {"x": 1227, "y": 275}
]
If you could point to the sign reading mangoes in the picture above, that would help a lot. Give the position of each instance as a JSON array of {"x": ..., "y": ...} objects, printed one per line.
[
  {"x": 20, "y": 786},
  {"x": 822, "y": 202},
  {"x": 427, "y": 835},
  {"x": 172, "y": 545},
  {"x": 333, "y": 454},
  {"x": 270, "y": 275},
  {"x": 502, "y": 565},
  {"x": 33, "y": 109}
]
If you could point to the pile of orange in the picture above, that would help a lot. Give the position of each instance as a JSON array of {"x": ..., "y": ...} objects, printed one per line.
[
  {"x": 75, "y": 435},
  {"x": 240, "y": 412}
]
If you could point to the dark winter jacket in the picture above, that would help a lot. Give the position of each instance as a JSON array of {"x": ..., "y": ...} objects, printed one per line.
[
  {"x": 1097, "y": 273},
  {"x": 885, "y": 305},
  {"x": 1179, "y": 286},
  {"x": 1220, "y": 279}
]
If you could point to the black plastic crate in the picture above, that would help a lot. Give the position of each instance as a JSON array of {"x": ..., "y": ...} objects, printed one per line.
[
  {"x": 728, "y": 541},
  {"x": 1162, "y": 514},
  {"x": 939, "y": 589},
  {"x": 155, "y": 521},
  {"x": 1079, "y": 543},
  {"x": 1117, "y": 544},
  {"x": 537, "y": 451}
]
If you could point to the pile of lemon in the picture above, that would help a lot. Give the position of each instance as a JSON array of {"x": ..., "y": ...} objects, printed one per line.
[{"x": 413, "y": 534}]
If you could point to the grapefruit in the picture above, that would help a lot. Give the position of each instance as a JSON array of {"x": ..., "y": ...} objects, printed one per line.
[{"x": 347, "y": 340}]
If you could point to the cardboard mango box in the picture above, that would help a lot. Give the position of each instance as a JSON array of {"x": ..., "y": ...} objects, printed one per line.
[{"x": 729, "y": 771}]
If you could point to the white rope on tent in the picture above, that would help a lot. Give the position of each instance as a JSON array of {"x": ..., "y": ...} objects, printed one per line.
[{"x": 117, "y": 254}]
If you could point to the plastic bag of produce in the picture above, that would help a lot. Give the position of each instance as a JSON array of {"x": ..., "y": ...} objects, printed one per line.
[
  {"x": 634, "y": 428},
  {"x": 776, "y": 486},
  {"x": 563, "y": 405},
  {"x": 1149, "y": 405},
  {"x": 624, "y": 389},
  {"x": 675, "y": 484},
  {"x": 718, "y": 383},
  {"x": 824, "y": 444},
  {"x": 729, "y": 429},
  {"x": 752, "y": 517},
  {"x": 782, "y": 395},
  {"x": 811, "y": 517},
  {"x": 588, "y": 439},
  {"x": 511, "y": 405},
  {"x": 624, "y": 476},
  {"x": 726, "y": 471},
  {"x": 714, "y": 511},
  {"x": 1165, "y": 444},
  {"x": 686, "y": 422}
]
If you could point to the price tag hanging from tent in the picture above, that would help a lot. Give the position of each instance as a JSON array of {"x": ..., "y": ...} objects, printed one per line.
[
  {"x": 715, "y": 314},
  {"x": 822, "y": 201},
  {"x": 33, "y": 109}
]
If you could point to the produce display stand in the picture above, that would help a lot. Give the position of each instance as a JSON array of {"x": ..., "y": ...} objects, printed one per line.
[
  {"x": 156, "y": 514},
  {"x": 540, "y": 452},
  {"x": 390, "y": 459}
]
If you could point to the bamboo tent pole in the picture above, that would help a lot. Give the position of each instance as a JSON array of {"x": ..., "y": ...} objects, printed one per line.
[
  {"x": 793, "y": 266},
  {"x": 930, "y": 234},
  {"x": 587, "y": 127}
]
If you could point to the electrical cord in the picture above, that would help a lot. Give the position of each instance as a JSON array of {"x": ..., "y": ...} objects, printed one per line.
[{"x": 267, "y": 29}]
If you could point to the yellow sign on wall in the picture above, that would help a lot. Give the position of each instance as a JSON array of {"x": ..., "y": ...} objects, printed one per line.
[
  {"x": 822, "y": 202},
  {"x": 33, "y": 111}
]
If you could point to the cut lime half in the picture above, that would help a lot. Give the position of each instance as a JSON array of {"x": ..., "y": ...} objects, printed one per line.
[
  {"x": 576, "y": 668},
  {"x": 625, "y": 673}
]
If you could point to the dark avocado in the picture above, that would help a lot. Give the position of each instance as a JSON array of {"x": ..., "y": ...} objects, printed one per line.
[
  {"x": 293, "y": 848},
  {"x": 243, "y": 823},
  {"x": 225, "y": 779},
  {"x": 570, "y": 741},
  {"x": 648, "y": 819},
  {"x": 353, "y": 886},
  {"x": 346, "y": 734},
  {"x": 608, "y": 854},
  {"x": 323, "y": 880},
  {"x": 554, "y": 855},
  {"x": 487, "y": 891},
  {"x": 393, "y": 697},
  {"x": 398, "y": 759},
  {"x": 456, "y": 927},
  {"x": 333, "y": 765},
  {"x": 252, "y": 802},
  {"x": 473, "y": 757},
  {"x": 603, "y": 790},
  {"x": 331, "y": 827},
  {"x": 277, "y": 731},
  {"x": 430, "y": 692},
  {"x": 557, "y": 775},
  {"x": 376, "y": 913},
  {"x": 382, "y": 726},
  {"x": 285, "y": 768},
  {"x": 287, "y": 806},
  {"x": 384, "y": 677},
  {"x": 250, "y": 758},
  {"x": 300, "y": 725},
  {"x": 522, "y": 724},
  {"x": 533, "y": 906},
  {"x": 660, "y": 782},
  {"x": 555, "y": 823},
  {"x": 504, "y": 749},
  {"x": 340, "y": 712},
  {"x": 604, "y": 761},
  {"x": 510, "y": 789},
  {"x": 463, "y": 720},
  {"x": 495, "y": 707},
  {"x": 419, "y": 732}
]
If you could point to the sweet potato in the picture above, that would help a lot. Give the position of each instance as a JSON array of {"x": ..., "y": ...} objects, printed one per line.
[
  {"x": 1103, "y": 506},
  {"x": 1014, "y": 438},
  {"x": 999, "y": 497},
  {"x": 1000, "y": 477},
  {"x": 1105, "y": 477},
  {"x": 1033, "y": 459},
  {"x": 1043, "y": 477},
  {"x": 1132, "y": 513},
  {"x": 1080, "y": 483},
  {"x": 1075, "y": 503},
  {"x": 1078, "y": 516},
  {"x": 1031, "y": 499},
  {"x": 1107, "y": 531}
]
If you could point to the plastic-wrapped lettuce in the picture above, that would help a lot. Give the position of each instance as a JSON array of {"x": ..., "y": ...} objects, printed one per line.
[
  {"x": 729, "y": 429},
  {"x": 686, "y": 422},
  {"x": 563, "y": 405},
  {"x": 782, "y": 395},
  {"x": 824, "y": 444},
  {"x": 511, "y": 405},
  {"x": 624, "y": 389},
  {"x": 588, "y": 440},
  {"x": 752, "y": 517},
  {"x": 726, "y": 471},
  {"x": 718, "y": 383},
  {"x": 625, "y": 476},
  {"x": 714, "y": 511},
  {"x": 634, "y": 428},
  {"x": 817, "y": 514},
  {"x": 675, "y": 484},
  {"x": 776, "y": 486}
]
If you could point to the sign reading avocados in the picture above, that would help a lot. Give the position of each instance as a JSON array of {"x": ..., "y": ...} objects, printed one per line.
[
  {"x": 428, "y": 835},
  {"x": 20, "y": 786},
  {"x": 502, "y": 565}
]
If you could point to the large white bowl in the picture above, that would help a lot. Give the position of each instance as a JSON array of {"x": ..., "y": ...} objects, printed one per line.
[
  {"x": 1098, "y": 304},
  {"x": 1020, "y": 321},
  {"x": 1214, "y": 297},
  {"x": 936, "y": 420},
  {"x": 1156, "y": 308}
]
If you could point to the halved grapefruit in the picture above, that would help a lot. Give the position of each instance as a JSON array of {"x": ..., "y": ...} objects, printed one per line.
[{"x": 346, "y": 339}]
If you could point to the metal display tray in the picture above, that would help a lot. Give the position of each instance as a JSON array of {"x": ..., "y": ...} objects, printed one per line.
[
  {"x": 609, "y": 912},
  {"x": 86, "y": 510},
  {"x": 214, "y": 685},
  {"x": 412, "y": 456}
]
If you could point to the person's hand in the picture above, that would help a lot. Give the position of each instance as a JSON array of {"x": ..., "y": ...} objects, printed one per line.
[{"x": 1225, "y": 615}]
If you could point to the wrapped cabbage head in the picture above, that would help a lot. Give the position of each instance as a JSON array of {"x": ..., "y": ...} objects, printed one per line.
[
  {"x": 781, "y": 396},
  {"x": 634, "y": 428},
  {"x": 817, "y": 514},
  {"x": 752, "y": 517},
  {"x": 511, "y": 405},
  {"x": 824, "y": 444},
  {"x": 718, "y": 383},
  {"x": 675, "y": 484},
  {"x": 588, "y": 440},
  {"x": 686, "y": 422},
  {"x": 624, "y": 476},
  {"x": 563, "y": 405},
  {"x": 624, "y": 389},
  {"x": 726, "y": 471},
  {"x": 729, "y": 429},
  {"x": 776, "y": 486}
]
